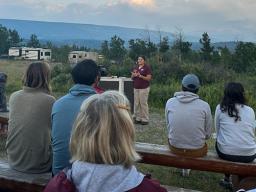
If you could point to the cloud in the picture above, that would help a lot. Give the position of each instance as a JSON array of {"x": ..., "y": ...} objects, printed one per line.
[
  {"x": 142, "y": 3},
  {"x": 222, "y": 18}
]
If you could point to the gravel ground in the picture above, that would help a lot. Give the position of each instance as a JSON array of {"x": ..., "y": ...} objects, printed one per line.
[{"x": 155, "y": 132}]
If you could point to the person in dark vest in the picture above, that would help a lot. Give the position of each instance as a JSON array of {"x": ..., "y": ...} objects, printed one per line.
[{"x": 3, "y": 80}]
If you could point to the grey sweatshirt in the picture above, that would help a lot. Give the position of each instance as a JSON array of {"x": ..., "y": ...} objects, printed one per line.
[
  {"x": 90, "y": 177},
  {"x": 189, "y": 120},
  {"x": 236, "y": 137}
]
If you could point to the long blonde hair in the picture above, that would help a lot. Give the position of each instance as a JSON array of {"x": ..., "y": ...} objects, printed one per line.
[
  {"x": 103, "y": 132},
  {"x": 38, "y": 76}
]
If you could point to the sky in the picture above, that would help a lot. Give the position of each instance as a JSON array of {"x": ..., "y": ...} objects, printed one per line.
[{"x": 223, "y": 20}]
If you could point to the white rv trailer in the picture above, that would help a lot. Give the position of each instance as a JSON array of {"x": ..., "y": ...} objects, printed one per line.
[
  {"x": 14, "y": 52},
  {"x": 36, "y": 53},
  {"x": 30, "y": 53},
  {"x": 77, "y": 56}
]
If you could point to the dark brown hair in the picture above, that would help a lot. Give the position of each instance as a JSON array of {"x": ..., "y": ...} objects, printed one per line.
[
  {"x": 233, "y": 94},
  {"x": 143, "y": 57},
  {"x": 37, "y": 76}
]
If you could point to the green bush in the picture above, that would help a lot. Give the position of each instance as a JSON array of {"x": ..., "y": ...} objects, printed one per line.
[{"x": 61, "y": 78}]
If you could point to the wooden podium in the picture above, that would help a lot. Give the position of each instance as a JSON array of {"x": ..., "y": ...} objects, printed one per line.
[{"x": 122, "y": 84}]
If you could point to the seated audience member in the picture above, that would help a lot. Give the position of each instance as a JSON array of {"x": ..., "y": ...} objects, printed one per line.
[
  {"x": 102, "y": 147},
  {"x": 235, "y": 128},
  {"x": 96, "y": 86},
  {"x": 66, "y": 109},
  {"x": 29, "y": 141},
  {"x": 189, "y": 121},
  {"x": 3, "y": 80}
]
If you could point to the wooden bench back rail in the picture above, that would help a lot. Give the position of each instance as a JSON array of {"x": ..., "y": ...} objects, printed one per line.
[
  {"x": 161, "y": 155},
  {"x": 4, "y": 117}
]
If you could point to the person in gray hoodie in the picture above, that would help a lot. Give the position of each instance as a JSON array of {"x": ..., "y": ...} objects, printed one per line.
[
  {"x": 189, "y": 120},
  {"x": 102, "y": 147}
]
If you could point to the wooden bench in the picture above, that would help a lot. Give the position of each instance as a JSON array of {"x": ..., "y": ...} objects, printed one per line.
[
  {"x": 11, "y": 180},
  {"x": 245, "y": 173},
  {"x": 14, "y": 181},
  {"x": 4, "y": 117}
]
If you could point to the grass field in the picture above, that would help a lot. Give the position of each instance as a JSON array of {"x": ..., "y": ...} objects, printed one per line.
[
  {"x": 155, "y": 132},
  {"x": 14, "y": 71}
]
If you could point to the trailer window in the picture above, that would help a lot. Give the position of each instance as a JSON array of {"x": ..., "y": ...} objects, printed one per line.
[
  {"x": 74, "y": 56},
  {"x": 42, "y": 53},
  {"x": 47, "y": 53}
]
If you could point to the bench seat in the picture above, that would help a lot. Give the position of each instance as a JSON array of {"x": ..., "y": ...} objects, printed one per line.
[
  {"x": 14, "y": 181},
  {"x": 161, "y": 155},
  {"x": 4, "y": 117}
]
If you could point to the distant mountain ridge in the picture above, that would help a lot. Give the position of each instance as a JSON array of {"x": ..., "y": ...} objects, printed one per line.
[
  {"x": 63, "y": 31},
  {"x": 88, "y": 35}
]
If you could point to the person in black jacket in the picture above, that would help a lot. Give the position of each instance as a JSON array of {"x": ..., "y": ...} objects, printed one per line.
[{"x": 3, "y": 80}]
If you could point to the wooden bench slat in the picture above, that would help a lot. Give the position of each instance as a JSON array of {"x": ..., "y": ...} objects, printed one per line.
[
  {"x": 8, "y": 173},
  {"x": 161, "y": 155},
  {"x": 15, "y": 181},
  {"x": 177, "y": 189},
  {"x": 18, "y": 181},
  {"x": 4, "y": 117}
]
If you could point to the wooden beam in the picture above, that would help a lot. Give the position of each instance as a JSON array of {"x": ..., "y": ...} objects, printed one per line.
[
  {"x": 17, "y": 181},
  {"x": 4, "y": 117},
  {"x": 161, "y": 155},
  {"x": 14, "y": 181}
]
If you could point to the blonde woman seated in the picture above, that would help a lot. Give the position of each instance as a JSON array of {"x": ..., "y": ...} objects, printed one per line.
[
  {"x": 28, "y": 141},
  {"x": 102, "y": 147}
]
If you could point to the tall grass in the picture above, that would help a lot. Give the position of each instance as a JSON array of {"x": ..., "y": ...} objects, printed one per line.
[
  {"x": 14, "y": 71},
  {"x": 211, "y": 93}
]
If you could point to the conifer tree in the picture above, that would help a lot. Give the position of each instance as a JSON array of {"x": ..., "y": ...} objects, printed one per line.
[{"x": 207, "y": 49}]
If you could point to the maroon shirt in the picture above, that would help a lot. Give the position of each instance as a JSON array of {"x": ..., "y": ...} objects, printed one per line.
[
  {"x": 139, "y": 83},
  {"x": 148, "y": 185},
  {"x": 98, "y": 89}
]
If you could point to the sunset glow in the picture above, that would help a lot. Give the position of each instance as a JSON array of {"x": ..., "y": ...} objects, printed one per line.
[{"x": 147, "y": 3}]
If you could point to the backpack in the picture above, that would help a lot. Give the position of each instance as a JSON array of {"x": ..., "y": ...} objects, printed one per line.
[
  {"x": 147, "y": 185},
  {"x": 3, "y": 77},
  {"x": 61, "y": 183}
]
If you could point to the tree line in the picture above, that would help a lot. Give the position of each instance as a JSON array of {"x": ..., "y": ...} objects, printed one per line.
[
  {"x": 11, "y": 38},
  {"x": 242, "y": 59}
]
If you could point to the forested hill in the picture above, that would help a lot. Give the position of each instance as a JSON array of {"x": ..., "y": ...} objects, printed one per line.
[
  {"x": 66, "y": 31},
  {"x": 90, "y": 35}
]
